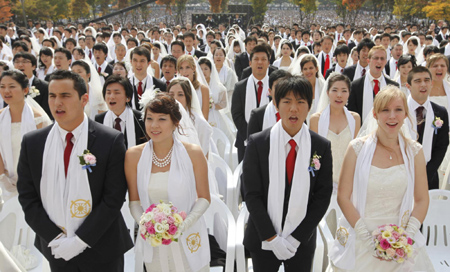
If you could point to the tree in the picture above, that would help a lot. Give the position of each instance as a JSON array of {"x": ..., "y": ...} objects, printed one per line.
[
  {"x": 409, "y": 9},
  {"x": 181, "y": 8},
  {"x": 307, "y": 9},
  {"x": 259, "y": 9},
  {"x": 79, "y": 8},
  {"x": 36, "y": 10},
  {"x": 437, "y": 10},
  {"x": 353, "y": 6},
  {"x": 215, "y": 5},
  {"x": 5, "y": 11}
]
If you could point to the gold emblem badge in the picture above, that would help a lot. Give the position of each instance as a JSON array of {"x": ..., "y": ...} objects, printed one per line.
[
  {"x": 405, "y": 219},
  {"x": 342, "y": 236},
  {"x": 80, "y": 208},
  {"x": 193, "y": 242}
]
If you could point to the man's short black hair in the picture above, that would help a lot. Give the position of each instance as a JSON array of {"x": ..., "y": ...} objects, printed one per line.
[
  {"x": 141, "y": 51},
  {"x": 101, "y": 47},
  {"x": 341, "y": 49},
  {"x": 122, "y": 81},
  {"x": 299, "y": 85},
  {"x": 416, "y": 70},
  {"x": 189, "y": 35},
  {"x": 260, "y": 48},
  {"x": 20, "y": 44},
  {"x": 430, "y": 49},
  {"x": 385, "y": 35},
  {"x": 250, "y": 39},
  {"x": 168, "y": 58},
  {"x": 65, "y": 51},
  {"x": 277, "y": 74},
  {"x": 179, "y": 43},
  {"x": 78, "y": 82},
  {"x": 133, "y": 40},
  {"x": 366, "y": 42},
  {"x": 26, "y": 55},
  {"x": 71, "y": 40}
]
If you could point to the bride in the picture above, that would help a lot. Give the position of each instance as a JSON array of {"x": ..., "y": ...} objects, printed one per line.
[
  {"x": 383, "y": 181},
  {"x": 22, "y": 115}
]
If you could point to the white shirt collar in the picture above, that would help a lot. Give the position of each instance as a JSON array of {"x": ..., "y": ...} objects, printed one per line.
[
  {"x": 192, "y": 52},
  {"x": 136, "y": 81},
  {"x": 372, "y": 78},
  {"x": 76, "y": 133},
  {"x": 286, "y": 138},
  {"x": 31, "y": 81},
  {"x": 103, "y": 66}
]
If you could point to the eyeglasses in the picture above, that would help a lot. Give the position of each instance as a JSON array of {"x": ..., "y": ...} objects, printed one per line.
[{"x": 22, "y": 61}]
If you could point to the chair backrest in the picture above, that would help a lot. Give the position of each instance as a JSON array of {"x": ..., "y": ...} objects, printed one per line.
[
  {"x": 222, "y": 172},
  {"x": 127, "y": 217},
  {"x": 222, "y": 143},
  {"x": 234, "y": 191},
  {"x": 436, "y": 226},
  {"x": 15, "y": 230},
  {"x": 333, "y": 214}
]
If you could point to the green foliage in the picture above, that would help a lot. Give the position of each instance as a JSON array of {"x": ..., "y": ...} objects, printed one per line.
[{"x": 260, "y": 8}]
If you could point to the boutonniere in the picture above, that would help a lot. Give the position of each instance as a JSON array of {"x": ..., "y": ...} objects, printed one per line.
[
  {"x": 315, "y": 163},
  {"x": 437, "y": 124},
  {"x": 105, "y": 75},
  {"x": 33, "y": 92},
  {"x": 87, "y": 160},
  {"x": 211, "y": 102}
]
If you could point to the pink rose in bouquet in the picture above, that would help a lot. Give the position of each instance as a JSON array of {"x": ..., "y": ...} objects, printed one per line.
[{"x": 392, "y": 243}]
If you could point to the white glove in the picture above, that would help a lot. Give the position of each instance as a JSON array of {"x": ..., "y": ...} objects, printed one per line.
[
  {"x": 413, "y": 226},
  {"x": 8, "y": 183},
  {"x": 364, "y": 235},
  {"x": 282, "y": 249},
  {"x": 200, "y": 207},
  {"x": 136, "y": 210},
  {"x": 294, "y": 242},
  {"x": 69, "y": 248}
]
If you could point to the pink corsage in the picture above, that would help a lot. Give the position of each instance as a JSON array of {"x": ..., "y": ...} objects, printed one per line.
[
  {"x": 87, "y": 160},
  {"x": 437, "y": 124},
  {"x": 315, "y": 163},
  {"x": 105, "y": 75}
]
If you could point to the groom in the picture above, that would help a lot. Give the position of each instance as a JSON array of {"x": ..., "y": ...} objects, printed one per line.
[
  {"x": 287, "y": 180},
  {"x": 74, "y": 210}
]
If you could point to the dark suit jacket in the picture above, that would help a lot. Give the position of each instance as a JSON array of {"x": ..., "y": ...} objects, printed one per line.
[
  {"x": 139, "y": 127},
  {"x": 350, "y": 71},
  {"x": 104, "y": 229},
  {"x": 248, "y": 71},
  {"x": 255, "y": 124},
  {"x": 200, "y": 54},
  {"x": 109, "y": 70},
  {"x": 387, "y": 68},
  {"x": 156, "y": 82},
  {"x": 329, "y": 71},
  {"x": 256, "y": 186},
  {"x": 438, "y": 147},
  {"x": 241, "y": 62},
  {"x": 355, "y": 101},
  {"x": 42, "y": 99},
  {"x": 351, "y": 45}
]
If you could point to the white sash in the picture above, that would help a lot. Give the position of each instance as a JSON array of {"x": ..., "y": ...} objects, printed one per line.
[
  {"x": 428, "y": 132},
  {"x": 129, "y": 124},
  {"x": 447, "y": 93},
  {"x": 324, "y": 122},
  {"x": 358, "y": 71},
  {"x": 27, "y": 124},
  {"x": 317, "y": 93},
  {"x": 270, "y": 117},
  {"x": 67, "y": 200},
  {"x": 298, "y": 201},
  {"x": 368, "y": 95},
  {"x": 342, "y": 252},
  {"x": 183, "y": 194},
  {"x": 250, "y": 96}
]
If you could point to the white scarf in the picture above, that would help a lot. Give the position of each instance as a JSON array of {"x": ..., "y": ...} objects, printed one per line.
[
  {"x": 129, "y": 124},
  {"x": 148, "y": 86},
  {"x": 324, "y": 121},
  {"x": 1, "y": 102},
  {"x": 183, "y": 194},
  {"x": 447, "y": 50},
  {"x": 270, "y": 117},
  {"x": 298, "y": 201},
  {"x": 368, "y": 95},
  {"x": 317, "y": 93},
  {"x": 250, "y": 96},
  {"x": 428, "y": 132},
  {"x": 358, "y": 71},
  {"x": 62, "y": 197},
  {"x": 27, "y": 124},
  {"x": 343, "y": 256}
]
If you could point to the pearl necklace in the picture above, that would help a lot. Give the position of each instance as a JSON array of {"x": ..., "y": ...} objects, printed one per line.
[{"x": 162, "y": 162}]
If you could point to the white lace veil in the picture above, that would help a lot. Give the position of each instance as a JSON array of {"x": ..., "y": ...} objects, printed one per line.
[
  {"x": 162, "y": 50},
  {"x": 299, "y": 49},
  {"x": 58, "y": 42},
  {"x": 96, "y": 101},
  {"x": 324, "y": 99},
  {"x": 36, "y": 46},
  {"x": 418, "y": 52},
  {"x": 45, "y": 33},
  {"x": 93, "y": 31},
  {"x": 216, "y": 89},
  {"x": 46, "y": 121},
  {"x": 203, "y": 29},
  {"x": 230, "y": 53},
  {"x": 349, "y": 59}
]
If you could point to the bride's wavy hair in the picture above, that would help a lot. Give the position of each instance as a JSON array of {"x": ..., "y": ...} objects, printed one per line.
[
  {"x": 17, "y": 76},
  {"x": 165, "y": 104}
]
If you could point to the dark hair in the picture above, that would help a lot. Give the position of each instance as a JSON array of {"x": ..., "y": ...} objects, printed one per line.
[
  {"x": 121, "y": 63},
  {"x": 205, "y": 61},
  {"x": 20, "y": 44},
  {"x": 217, "y": 43},
  {"x": 310, "y": 58},
  {"x": 70, "y": 40},
  {"x": 299, "y": 85},
  {"x": 220, "y": 49},
  {"x": 277, "y": 74},
  {"x": 79, "y": 50},
  {"x": 78, "y": 82},
  {"x": 4, "y": 65},
  {"x": 258, "y": 49},
  {"x": 50, "y": 41},
  {"x": 83, "y": 64},
  {"x": 416, "y": 70},
  {"x": 169, "y": 58},
  {"x": 189, "y": 35},
  {"x": 165, "y": 104},
  {"x": 133, "y": 40},
  {"x": 65, "y": 52},
  {"x": 89, "y": 36},
  {"x": 430, "y": 49},
  {"x": 406, "y": 33},
  {"x": 27, "y": 56},
  {"x": 122, "y": 81},
  {"x": 17, "y": 75},
  {"x": 338, "y": 77},
  {"x": 210, "y": 33},
  {"x": 413, "y": 41},
  {"x": 101, "y": 47},
  {"x": 404, "y": 59},
  {"x": 141, "y": 51},
  {"x": 384, "y": 35},
  {"x": 341, "y": 49},
  {"x": 179, "y": 43},
  {"x": 366, "y": 42},
  {"x": 186, "y": 87},
  {"x": 44, "y": 51},
  {"x": 250, "y": 39}
]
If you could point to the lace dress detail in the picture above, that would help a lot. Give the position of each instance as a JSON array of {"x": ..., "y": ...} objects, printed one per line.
[
  {"x": 339, "y": 143},
  {"x": 358, "y": 143}
]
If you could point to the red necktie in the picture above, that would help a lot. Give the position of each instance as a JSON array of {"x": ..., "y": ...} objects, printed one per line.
[
  {"x": 290, "y": 161},
  {"x": 49, "y": 31},
  {"x": 278, "y": 116},
  {"x": 376, "y": 89},
  {"x": 139, "y": 90},
  {"x": 167, "y": 83},
  {"x": 90, "y": 54},
  {"x": 117, "y": 124},
  {"x": 396, "y": 65},
  {"x": 339, "y": 36},
  {"x": 68, "y": 151},
  {"x": 363, "y": 72},
  {"x": 189, "y": 53},
  {"x": 327, "y": 64},
  {"x": 99, "y": 70},
  {"x": 342, "y": 70},
  {"x": 260, "y": 89}
]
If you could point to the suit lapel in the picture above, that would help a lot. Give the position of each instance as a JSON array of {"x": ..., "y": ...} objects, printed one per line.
[{"x": 91, "y": 134}]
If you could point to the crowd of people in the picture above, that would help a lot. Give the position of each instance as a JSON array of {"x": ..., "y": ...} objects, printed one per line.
[{"x": 92, "y": 115}]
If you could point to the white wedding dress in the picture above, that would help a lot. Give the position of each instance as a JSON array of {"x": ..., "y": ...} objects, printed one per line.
[
  {"x": 385, "y": 191},
  {"x": 157, "y": 190},
  {"x": 339, "y": 144}
]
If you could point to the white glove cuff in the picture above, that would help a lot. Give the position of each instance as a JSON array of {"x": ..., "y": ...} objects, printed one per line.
[
  {"x": 200, "y": 207},
  {"x": 413, "y": 226},
  {"x": 136, "y": 210},
  {"x": 81, "y": 242},
  {"x": 294, "y": 242}
]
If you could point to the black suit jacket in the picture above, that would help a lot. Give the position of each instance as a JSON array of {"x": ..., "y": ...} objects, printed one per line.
[
  {"x": 109, "y": 70},
  {"x": 255, "y": 124},
  {"x": 355, "y": 101},
  {"x": 238, "y": 113},
  {"x": 157, "y": 84},
  {"x": 248, "y": 71},
  {"x": 329, "y": 71},
  {"x": 387, "y": 68},
  {"x": 42, "y": 98},
  {"x": 104, "y": 229},
  {"x": 139, "y": 127},
  {"x": 256, "y": 186},
  {"x": 200, "y": 54},
  {"x": 438, "y": 147},
  {"x": 240, "y": 63},
  {"x": 350, "y": 71},
  {"x": 351, "y": 45}
]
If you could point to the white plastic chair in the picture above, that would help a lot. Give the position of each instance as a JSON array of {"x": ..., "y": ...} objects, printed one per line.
[
  {"x": 436, "y": 229},
  {"x": 217, "y": 213},
  {"x": 129, "y": 257},
  {"x": 328, "y": 226},
  {"x": 223, "y": 175},
  {"x": 23, "y": 234},
  {"x": 222, "y": 143},
  {"x": 234, "y": 191}
]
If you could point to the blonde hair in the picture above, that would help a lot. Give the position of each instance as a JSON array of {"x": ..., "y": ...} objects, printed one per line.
[
  {"x": 434, "y": 58},
  {"x": 375, "y": 48},
  {"x": 189, "y": 59}
]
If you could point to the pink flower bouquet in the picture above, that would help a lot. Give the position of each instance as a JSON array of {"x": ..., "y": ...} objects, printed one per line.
[
  {"x": 160, "y": 224},
  {"x": 392, "y": 243}
]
